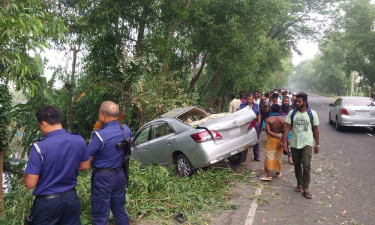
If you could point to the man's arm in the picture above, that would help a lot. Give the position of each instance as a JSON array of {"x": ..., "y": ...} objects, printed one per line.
[
  {"x": 316, "y": 138},
  {"x": 270, "y": 132},
  {"x": 30, "y": 180},
  {"x": 85, "y": 165},
  {"x": 94, "y": 145},
  {"x": 287, "y": 128},
  {"x": 33, "y": 169}
]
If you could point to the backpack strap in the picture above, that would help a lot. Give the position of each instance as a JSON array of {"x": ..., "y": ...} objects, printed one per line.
[
  {"x": 38, "y": 150},
  {"x": 123, "y": 132},
  {"x": 309, "y": 112},
  {"x": 292, "y": 117}
]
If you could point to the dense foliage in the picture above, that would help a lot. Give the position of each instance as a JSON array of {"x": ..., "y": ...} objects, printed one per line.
[
  {"x": 5, "y": 106},
  {"x": 25, "y": 26},
  {"x": 345, "y": 47}
]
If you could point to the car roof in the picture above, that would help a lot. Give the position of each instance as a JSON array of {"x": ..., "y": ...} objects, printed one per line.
[
  {"x": 354, "y": 97},
  {"x": 177, "y": 125},
  {"x": 193, "y": 110}
]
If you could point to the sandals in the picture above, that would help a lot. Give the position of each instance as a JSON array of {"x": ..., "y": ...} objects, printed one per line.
[
  {"x": 279, "y": 174},
  {"x": 179, "y": 217},
  {"x": 266, "y": 178},
  {"x": 298, "y": 189},
  {"x": 307, "y": 194}
]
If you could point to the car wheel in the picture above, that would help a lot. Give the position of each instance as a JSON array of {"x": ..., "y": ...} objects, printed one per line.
[
  {"x": 238, "y": 158},
  {"x": 337, "y": 125},
  {"x": 184, "y": 166},
  {"x": 329, "y": 119}
]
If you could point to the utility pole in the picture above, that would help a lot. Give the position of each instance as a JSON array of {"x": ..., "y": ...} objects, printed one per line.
[
  {"x": 353, "y": 73},
  {"x": 352, "y": 89}
]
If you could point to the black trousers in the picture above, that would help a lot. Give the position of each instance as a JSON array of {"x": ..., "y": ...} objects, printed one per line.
[{"x": 65, "y": 209}]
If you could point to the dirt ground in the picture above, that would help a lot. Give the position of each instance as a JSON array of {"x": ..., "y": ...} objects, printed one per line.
[{"x": 242, "y": 194}]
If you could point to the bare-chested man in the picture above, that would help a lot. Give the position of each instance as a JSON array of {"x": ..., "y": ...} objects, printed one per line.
[
  {"x": 274, "y": 152},
  {"x": 284, "y": 110}
]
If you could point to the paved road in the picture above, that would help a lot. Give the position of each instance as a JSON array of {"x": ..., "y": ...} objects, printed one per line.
[{"x": 342, "y": 180}]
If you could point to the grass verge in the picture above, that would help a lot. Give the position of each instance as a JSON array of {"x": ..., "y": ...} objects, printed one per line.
[{"x": 155, "y": 194}]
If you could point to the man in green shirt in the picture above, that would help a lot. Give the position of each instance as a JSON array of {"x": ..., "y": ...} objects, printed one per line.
[{"x": 304, "y": 131}]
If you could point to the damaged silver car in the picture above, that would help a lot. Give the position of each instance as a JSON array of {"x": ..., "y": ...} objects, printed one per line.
[{"x": 190, "y": 138}]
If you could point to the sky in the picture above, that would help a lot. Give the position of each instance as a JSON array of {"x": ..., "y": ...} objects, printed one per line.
[{"x": 308, "y": 49}]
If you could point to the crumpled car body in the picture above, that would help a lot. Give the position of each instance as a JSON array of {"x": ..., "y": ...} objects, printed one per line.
[{"x": 191, "y": 138}]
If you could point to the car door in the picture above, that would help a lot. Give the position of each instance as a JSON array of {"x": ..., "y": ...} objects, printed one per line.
[
  {"x": 161, "y": 143},
  {"x": 140, "y": 145}
]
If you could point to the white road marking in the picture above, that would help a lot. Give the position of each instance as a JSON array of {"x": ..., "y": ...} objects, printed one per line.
[
  {"x": 253, "y": 209},
  {"x": 322, "y": 106},
  {"x": 369, "y": 134}
]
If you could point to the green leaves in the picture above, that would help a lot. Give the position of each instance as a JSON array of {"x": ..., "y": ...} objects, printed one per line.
[
  {"x": 24, "y": 27},
  {"x": 5, "y": 107}
]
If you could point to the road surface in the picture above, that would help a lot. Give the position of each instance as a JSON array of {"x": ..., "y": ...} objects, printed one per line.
[{"x": 342, "y": 180}]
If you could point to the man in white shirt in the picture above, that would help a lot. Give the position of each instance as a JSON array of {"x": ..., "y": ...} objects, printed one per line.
[
  {"x": 257, "y": 97},
  {"x": 234, "y": 104}
]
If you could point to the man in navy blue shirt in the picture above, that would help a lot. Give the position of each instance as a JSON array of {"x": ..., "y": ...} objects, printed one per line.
[
  {"x": 108, "y": 179},
  {"x": 53, "y": 168}
]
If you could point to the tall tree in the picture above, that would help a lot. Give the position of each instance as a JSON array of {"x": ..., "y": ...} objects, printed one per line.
[
  {"x": 5, "y": 100},
  {"x": 74, "y": 15},
  {"x": 359, "y": 36},
  {"x": 25, "y": 26}
]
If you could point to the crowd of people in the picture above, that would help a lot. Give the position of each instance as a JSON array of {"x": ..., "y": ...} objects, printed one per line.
[{"x": 291, "y": 128}]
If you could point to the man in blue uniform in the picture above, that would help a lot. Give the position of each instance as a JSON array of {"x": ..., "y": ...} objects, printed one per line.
[
  {"x": 53, "y": 168},
  {"x": 108, "y": 179}
]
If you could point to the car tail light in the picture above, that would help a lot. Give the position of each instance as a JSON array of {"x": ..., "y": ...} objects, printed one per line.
[
  {"x": 344, "y": 112},
  {"x": 205, "y": 136},
  {"x": 252, "y": 124}
]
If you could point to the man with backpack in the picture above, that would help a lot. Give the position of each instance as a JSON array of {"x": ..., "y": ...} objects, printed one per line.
[{"x": 304, "y": 124}]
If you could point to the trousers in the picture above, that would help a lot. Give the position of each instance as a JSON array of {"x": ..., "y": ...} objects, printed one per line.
[
  {"x": 108, "y": 193},
  {"x": 302, "y": 161},
  {"x": 61, "y": 210}
]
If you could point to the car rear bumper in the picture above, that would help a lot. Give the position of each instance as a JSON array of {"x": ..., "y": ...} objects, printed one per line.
[
  {"x": 357, "y": 122},
  {"x": 225, "y": 156},
  {"x": 207, "y": 153}
]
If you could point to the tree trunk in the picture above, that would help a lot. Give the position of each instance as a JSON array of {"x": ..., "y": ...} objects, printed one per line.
[
  {"x": 219, "y": 105},
  {"x": 187, "y": 65},
  {"x": 1, "y": 182},
  {"x": 198, "y": 75},
  {"x": 134, "y": 99},
  {"x": 70, "y": 88},
  {"x": 214, "y": 83},
  {"x": 141, "y": 30}
]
